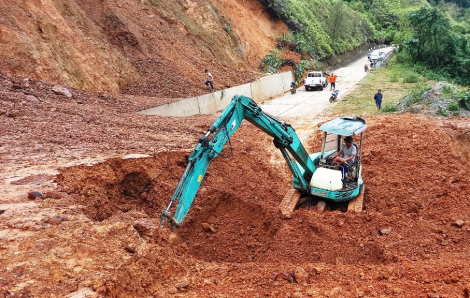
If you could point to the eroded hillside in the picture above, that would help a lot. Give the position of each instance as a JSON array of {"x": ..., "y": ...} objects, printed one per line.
[{"x": 148, "y": 47}]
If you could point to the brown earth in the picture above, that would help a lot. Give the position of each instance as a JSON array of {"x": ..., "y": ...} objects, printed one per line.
[
  {"x": 96, "y": 232},
  {"x": 136, "y": 47}
]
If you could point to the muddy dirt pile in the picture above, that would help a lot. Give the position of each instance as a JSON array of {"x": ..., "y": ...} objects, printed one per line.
[
  {"x": 152, "y": 48},
  {"x": 39, "y": 126},
  {"x": 97, "y": 232}
]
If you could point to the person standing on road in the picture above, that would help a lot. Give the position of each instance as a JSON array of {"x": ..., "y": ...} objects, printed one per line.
[
  {"x": 209, "y": 80},
  {"x": 378, "y": 99},
  {"x": 332, "y": 81},
  {"x": 327, "y": 79}
]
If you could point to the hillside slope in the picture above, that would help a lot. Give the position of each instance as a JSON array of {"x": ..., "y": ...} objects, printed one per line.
[{"x": 151, "y": 47}]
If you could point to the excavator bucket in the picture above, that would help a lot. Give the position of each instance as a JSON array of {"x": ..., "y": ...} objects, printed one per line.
[{"x": 289, "y": 202}]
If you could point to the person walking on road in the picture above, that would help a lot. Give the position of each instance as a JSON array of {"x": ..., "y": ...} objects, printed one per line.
[
  {"x": 378, "y": 99},
  {"x": 209, "y": 80},
  {"x": 332, "y": 81}
]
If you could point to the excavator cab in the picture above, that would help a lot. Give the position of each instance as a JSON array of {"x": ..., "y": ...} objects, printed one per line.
[
  {"x": 337, "y": 185},
  {"x": 333, "y": 142}
]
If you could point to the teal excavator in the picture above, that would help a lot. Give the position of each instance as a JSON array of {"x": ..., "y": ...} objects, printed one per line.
[{"x": 314, "y": 176}]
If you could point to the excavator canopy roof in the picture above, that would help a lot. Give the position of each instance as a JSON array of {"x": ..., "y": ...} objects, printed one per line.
[{"x": 345, "y": 126}]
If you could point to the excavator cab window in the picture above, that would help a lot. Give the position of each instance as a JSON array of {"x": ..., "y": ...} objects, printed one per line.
[{"x": 331, "y": 145}]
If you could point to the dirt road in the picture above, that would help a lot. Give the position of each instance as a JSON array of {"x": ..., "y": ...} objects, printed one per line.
[{"x": 302, "y": 109}]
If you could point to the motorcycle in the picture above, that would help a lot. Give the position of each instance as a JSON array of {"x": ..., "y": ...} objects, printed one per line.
[
  {"x": 334, "y": 95},
  {"x": 293, "y": 87}
]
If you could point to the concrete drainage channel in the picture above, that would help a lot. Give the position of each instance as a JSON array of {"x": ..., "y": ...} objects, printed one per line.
[{"x": 259, "y": 90}]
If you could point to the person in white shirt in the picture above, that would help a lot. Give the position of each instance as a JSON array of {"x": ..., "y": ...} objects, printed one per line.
[
  {"x": 209, "y": 80},
  {"x": 347, "y": 154}
]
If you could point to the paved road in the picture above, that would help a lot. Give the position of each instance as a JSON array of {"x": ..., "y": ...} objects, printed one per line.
[{"x": 311, "y": 103}]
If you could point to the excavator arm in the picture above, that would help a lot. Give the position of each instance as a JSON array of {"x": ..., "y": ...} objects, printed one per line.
[{"x": 240, "y": 108}]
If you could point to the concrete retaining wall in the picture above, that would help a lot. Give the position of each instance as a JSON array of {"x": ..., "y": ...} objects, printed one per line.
[
  {"x": 259, "y": 90},
  {"x": 271, "y": 86}
]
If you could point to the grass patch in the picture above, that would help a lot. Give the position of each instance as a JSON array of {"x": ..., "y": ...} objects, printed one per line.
[{"x": 360, "y": 101}]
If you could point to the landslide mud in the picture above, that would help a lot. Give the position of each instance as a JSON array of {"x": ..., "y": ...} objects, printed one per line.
[
  {"x": 121, "y": 185},
  {"x": 239, "y": 200},
  {"x": 233, "y": 241}
]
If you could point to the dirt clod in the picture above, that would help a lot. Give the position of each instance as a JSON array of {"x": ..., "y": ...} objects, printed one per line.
[
  {"x": 458, "y": 223},
  {"x": 33, "y": 195},
  {"x": 301, "y": 276},
  {"x": 61, "y": 90},
  {"x": 207, "y": 227},
  {"x": 182, "y": 286},
  {"x": 384, "y": 232},
  {"x": 144, "y": 227},
  {"x": 55, "y": 220},
  {"x": 131, "y": 248}
]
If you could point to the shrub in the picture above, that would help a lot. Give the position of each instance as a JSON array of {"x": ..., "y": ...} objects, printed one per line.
[
  {"x": 446, "y": 91},
  {"x": 453, "y": 107},
  {"x": 394, "y": 78},
  {"x": 269, "y": 69},
  {"x": 389, "y": 108},
  {"x": 411, "y": 78},
  {"x": 300, "y": 70},
  {"x": 443, "y": 112},
  {"x": 463, "y": 98},
  {"x": 416, "y": 95},
  {"x": 284, "y": 40},
  {"x": 272, "y": 61}
]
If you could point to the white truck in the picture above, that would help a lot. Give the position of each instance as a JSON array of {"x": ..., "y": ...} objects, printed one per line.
[{"x": 315, "y": 79}]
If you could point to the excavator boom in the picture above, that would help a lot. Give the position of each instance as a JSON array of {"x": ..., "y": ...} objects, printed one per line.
[{"x": 240, "y": 108}]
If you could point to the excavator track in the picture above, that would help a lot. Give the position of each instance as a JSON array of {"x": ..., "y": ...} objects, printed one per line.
[
  {"x": 356, "y": 204},
  {"x": 289, "y": 202}
]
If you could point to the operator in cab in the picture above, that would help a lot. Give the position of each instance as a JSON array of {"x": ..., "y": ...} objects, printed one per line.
[{"x": 347, "y": 154}]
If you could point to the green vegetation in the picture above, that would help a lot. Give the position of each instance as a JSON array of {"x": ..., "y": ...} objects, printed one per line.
[
  {"x": 433, "y": 36},
  {"x": 454, "y": 107},
  {"x": 320, "y": 28},
  {"x": 271, "y": 62},
  {"x": 389, "y": 108},
  {"x": 463, "y": 98},
  {"x": 416, "y": 94},
  {"x": 360, "y": 101},
  {"x": 439, "y": 45},
  {"x": 411, "y": 78},
  {"x": 447, "y": 91},
  {"x": 443, "y": 112},
  {"x": 300, "y": 69}
]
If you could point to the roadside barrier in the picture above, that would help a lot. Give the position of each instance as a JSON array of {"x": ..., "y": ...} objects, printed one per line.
[{"x": 260, "y": 90}]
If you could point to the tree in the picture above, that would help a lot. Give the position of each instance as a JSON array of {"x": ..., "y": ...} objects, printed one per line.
[
  {"x": 438, "y": 45},
  {"x": 430, "y": 28}
]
